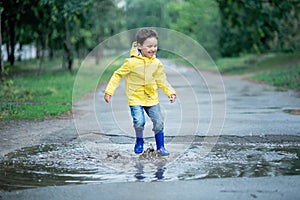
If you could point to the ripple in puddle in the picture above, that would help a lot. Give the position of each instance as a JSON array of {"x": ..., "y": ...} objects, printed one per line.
[{"x": 57, "y": 164}]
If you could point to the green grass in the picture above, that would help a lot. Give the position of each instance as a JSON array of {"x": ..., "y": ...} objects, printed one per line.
[
  {"x": 32, "y": 111},
  {"x": 31, "y": 97},
  {"x": 234, "y": 65},
  {"x": 31, "y": 66},
  {"x": 256, "y": 63},
  {"x": 24, "y": 95},
  {"x": 284, "y": 77},
  {"x": 281, "y": 70}
]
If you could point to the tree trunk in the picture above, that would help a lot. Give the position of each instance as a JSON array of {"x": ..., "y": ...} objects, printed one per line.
[
  {"x": 38, "y": 48},
  {"x": 1, "y": 58},
  {"x": 67, "y": 47},
  {"x": 20, "y": 51},
  {"x": 7, "y": 48},
  {"x": 99, "y": 51},
  {"x": 11, "y": 56},
  {"x": 43, "y": 51},
  {"x": 42, "y": 59},
  {"x": 51, "y": 53}
]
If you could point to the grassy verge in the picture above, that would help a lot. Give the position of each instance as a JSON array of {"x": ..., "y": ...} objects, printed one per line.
[
  {"x": 285, "y": 77},
  {"x": 24, "y": 95},
  {"x": 280, "y": 70}
]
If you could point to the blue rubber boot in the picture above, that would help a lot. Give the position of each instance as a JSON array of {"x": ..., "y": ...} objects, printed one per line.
[
  {"x": 159, "y": 138},
  {"x": 139, "y": 146}
]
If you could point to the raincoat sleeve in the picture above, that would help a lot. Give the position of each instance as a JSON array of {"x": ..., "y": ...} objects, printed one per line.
[
  {"x": 114, "y": 81},
  {"x": 161, "y": 81}
]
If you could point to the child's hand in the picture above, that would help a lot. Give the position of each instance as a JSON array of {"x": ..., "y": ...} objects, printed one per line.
[
  {"x": 107, "y": 98},
  {"x": 172, "y": 98}
]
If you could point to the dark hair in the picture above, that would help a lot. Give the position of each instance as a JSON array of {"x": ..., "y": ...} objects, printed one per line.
[{"x": 144, "y": 34}]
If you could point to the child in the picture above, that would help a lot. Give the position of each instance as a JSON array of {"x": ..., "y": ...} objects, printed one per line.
[{"x": 144, "y": 74}]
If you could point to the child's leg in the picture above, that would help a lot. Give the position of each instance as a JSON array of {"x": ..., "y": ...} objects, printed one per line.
[
  {"x": 137, "y": 113},
  {"x": 156, "y": 117}
]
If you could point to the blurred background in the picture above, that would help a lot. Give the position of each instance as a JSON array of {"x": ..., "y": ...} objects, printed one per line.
[{"x": 241, "y": 36}]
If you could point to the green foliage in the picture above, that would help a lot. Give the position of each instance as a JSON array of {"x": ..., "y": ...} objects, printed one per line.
[
  {"x": 225, "y": 27},
  {"x": 251, "y": 26},
  {"x": 145, "y": 13},
  {"x": 199, "y": 20},
  {"x": 83, "y": 24}
]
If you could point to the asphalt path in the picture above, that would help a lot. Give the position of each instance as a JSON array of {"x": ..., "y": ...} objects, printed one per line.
[{"x": 208, "y": 105}]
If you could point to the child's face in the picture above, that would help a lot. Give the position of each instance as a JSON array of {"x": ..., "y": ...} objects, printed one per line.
[{"x": 149, "y": 47}]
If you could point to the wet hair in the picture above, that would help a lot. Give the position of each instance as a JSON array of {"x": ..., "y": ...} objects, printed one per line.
[{"x": 144, "y": 34}]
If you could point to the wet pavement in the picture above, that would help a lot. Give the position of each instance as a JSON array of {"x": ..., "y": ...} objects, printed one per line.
[{"x": 215, "y": 137}]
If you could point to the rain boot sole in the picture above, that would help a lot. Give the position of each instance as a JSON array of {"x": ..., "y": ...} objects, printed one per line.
[{"x": 139, "y": 154}]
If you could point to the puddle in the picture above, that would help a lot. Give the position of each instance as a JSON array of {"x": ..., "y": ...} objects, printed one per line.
[{"x": 57, "y": 164}]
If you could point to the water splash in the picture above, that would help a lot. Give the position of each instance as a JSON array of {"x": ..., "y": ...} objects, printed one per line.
[{"x": 61, "y": 164}]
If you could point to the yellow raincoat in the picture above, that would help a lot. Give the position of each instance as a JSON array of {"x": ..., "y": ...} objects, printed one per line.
[{"x": 143, "y": 78}]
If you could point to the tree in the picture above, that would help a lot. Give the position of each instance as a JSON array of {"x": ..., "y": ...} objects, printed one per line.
[
  {"x": 1, "y": 57},
  {"x": 58, "y": 24},
  {"x": 17, "y": 15},
  {"x": 145, "y": 13},
  {"x": 91, "y": 22},
  {"x": 199, "y": 20},
  {"x": 10, "y": 14},
  {"x": 259, "y": 26},
  {"x": 66, "y": 11},
  {"x": 44, "y": 27},
  {"x": 99, "y": 20}
]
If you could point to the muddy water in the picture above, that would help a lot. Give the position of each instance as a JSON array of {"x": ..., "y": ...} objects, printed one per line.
[{"x": 62, "y": 164}]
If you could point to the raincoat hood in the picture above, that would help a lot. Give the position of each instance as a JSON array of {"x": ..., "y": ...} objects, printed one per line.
[{"x": 134, "y": 51}]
